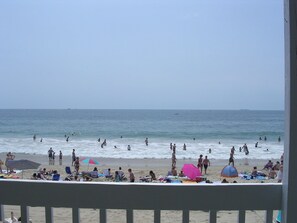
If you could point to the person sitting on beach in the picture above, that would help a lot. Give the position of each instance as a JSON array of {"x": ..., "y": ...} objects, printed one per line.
[
  {"x": 117, "y": 176},
  {"x": 280, "y": 174},
  {"x": 277, "y": 165},
  {"x": 34, "y": 176},
  {"x": 121, "y": 174},
  {"x": 92, "y": 174},
  {"x": 41, "y": 176},
  {"x": 44, "y": 172},
  {"x": 254, "y": 172},
  {"x": 272, "y": 173},
  {"x": 181, "y": 174},
  {"x": 87, "y": 178},
  {"x": 224, "y": 181},
  {"x": 107, "y": 173},
  {"x": 173, "y": 171},
  {"x": 152, "y": 175},
  {"x": 268, "y": 165}
]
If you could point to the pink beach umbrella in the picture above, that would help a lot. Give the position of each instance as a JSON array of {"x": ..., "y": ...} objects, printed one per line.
[
  {"x": 191, "y": 171},
  {"x": 89, "y": 161}
]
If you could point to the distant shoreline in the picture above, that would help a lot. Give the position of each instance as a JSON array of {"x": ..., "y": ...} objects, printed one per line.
[{"x": 43, "y": 159}]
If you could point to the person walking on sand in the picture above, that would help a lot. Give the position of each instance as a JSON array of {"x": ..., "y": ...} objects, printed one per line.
[
  {"x": 76, "y": 165},
  {"x": 60, "y": 157},
  {"x": 50, "y": 153},
  {"x": 206, "y": 164},
  {"x": 231, "y": 159},
  {"x": 73, "y": 157},
  {"x": 200, "y": 160},
  {"x": 53, "y": 159},
  {"x": 173, "y": 160}
]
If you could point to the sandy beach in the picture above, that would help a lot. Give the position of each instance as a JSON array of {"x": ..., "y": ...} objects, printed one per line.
[{"x": 140, "y": 168}]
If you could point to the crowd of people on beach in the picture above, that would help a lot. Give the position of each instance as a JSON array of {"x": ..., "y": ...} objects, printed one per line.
[{"x": 273, "y": 170}]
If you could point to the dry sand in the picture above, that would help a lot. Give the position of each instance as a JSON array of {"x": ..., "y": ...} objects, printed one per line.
[{"x": 140, "y": 168}]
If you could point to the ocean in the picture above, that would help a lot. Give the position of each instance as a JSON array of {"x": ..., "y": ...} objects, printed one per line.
[{"x": 200, "y": 130}]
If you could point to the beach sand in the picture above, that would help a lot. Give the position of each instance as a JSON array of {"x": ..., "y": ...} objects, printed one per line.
[{"x": 140, "y": 168}]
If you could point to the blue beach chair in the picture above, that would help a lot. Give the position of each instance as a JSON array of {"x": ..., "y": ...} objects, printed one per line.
[{"x": 56, "y": 177}]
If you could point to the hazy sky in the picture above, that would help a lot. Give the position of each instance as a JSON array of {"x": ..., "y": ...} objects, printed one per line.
[{"x": 163, "y": 54}]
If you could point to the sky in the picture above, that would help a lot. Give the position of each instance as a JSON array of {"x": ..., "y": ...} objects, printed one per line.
[{"x": 151, "y": 54}]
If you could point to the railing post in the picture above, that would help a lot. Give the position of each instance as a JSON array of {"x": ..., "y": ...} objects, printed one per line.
[
  {"x": 48, "y": 214},
  {"x": 157, "y": 216},
  {"x": 241, "y": 216},
  {"x": 269, "y": 216},
  {"x": 1, "y": 213},
  {"x": 102, "y": 215},
  {"x": 75, "y": 215},
  {"x": 212, "y": 216},
  {"x": 24, "y": 214},
  {"x": 129, "y": 215},
  {"x": 289, "y": 201},
  {"x": 186, "y": 216}
]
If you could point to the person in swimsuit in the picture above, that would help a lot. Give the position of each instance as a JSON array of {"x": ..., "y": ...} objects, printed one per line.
[
  {"x": 206, "y": 164},
  {"x": 199, "y": 165}
]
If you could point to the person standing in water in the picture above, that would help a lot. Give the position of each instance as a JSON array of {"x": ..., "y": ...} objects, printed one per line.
[{"x": 146, "y": 141}]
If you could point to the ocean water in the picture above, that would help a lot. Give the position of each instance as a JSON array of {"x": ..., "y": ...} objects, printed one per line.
[{"x": 198, "y": 129}]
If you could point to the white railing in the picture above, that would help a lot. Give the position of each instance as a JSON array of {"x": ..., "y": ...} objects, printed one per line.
[{"x": 140, "y": 196}]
